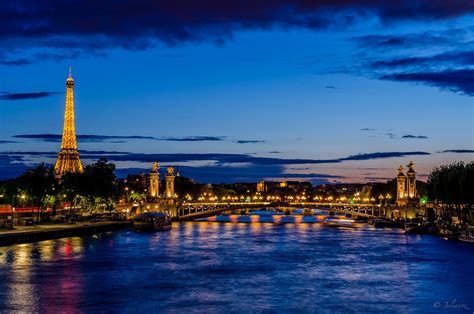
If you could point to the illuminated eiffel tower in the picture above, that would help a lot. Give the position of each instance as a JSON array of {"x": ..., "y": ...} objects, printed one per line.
[{"x": 68, "y": 157}]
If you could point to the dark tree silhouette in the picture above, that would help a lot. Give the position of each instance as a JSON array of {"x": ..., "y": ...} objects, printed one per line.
[
  {"x": 452, "y": 184},
  {"x": 97, "y": 180}
]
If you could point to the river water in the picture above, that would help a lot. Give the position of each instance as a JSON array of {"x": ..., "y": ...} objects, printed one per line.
[{"x": 240, "y": 267}]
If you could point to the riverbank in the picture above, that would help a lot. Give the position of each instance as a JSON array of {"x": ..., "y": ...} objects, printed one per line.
[{"x": 26, "y": 234}]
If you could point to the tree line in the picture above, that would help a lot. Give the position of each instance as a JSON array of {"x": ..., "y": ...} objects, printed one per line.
[
  {"x": 93, "y": 189},
  {"x": 452, "y": 184}
]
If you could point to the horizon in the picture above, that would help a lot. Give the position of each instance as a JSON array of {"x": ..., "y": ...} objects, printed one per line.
[{"x": 285, "y": 92}]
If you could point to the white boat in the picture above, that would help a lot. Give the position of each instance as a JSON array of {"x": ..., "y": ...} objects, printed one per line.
[
  {"x": 467, "y": 236},
  {"x": 339, "y": 223}
]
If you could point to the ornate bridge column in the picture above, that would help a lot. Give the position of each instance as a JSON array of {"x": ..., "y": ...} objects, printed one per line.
[
  {"x": 154, "y": 180},
  {"x": 170, "y": 183},
  {"x": 401, "y": 187}
]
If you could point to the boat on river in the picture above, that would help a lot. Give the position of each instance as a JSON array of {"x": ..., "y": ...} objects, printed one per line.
[
  {"x": 152, "y": 221},
  {"x": 334, "y": 222},
  {"x": 467, "y": 236}
]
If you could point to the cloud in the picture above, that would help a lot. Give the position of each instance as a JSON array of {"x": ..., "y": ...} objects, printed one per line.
[
  {"x": 8, "y": 142},
  {"x": 368, "y": 129},
  {"x": 217, "y": 167},
  {"x": 24, "y": 96},
  {"x": 192, "y": 139},
  {"x": 391, "y": 135},
  {"x": 138, "y": 25},
  {"x": 383, "y": 155},
  {"x": 442, "y": 59},
  {"x": 250, "y": 141},
  {"x": 220, "y": 158},
  {"x": 123, "y": 138},
  {"x": 459, "y": 81},
  {"x": 371, "y": 178},
  {"x": 11, "y": 166},
  {"x": 415, "y": 136},
  {"x": 229, "y": 174},
  {"x": 46, "y": 56},
  {"x": 118, "y": 138},
  {"x": 451, "y": 58},
  {"x": 459, "y": 151},
  {"x": 445, "y": 38}
]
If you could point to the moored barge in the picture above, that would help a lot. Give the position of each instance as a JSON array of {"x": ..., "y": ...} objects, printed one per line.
[{"x": 152, "y": 221}]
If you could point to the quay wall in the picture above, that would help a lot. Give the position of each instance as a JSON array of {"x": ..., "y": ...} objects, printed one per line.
[{"x": 15, "y": 237}]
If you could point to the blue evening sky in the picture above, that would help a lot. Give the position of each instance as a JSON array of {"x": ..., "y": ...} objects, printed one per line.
[{"x": 291, "y": 93}]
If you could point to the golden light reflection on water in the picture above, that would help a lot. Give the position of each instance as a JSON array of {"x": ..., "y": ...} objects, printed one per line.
[
  {"x": 238, "y": 261},
  {"x": 3, "y": 256},
  {"x": 256, "y": 227},
  {"x": 46, "y": 249},
  {"x": 234, "y": 218},
  {"x": 20, "y": 264},
  {"x": 21, "y": 291}
]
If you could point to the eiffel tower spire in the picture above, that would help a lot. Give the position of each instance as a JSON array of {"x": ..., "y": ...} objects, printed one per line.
[{"x": 68, "y": 157}]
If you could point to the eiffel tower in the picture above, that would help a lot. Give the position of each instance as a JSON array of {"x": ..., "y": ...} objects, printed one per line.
[{"x": 68, "y": 157}]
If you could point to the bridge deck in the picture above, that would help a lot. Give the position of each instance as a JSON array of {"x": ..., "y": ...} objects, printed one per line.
[{"x": 367, "y": 211}]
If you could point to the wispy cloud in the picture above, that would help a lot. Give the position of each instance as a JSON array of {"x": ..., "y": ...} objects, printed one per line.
[
  {"x": 118, "y": 138},
  {"x": 250, "y": 141},
  {"x": 382, "y": 155},
  {"x": 125, "y": 138},
  {"x": 217, "y": 167},
  {"x": 393, "y": 135},
  {"x": 446, "y": 58},
  {"x": 459, "y": 81},
  {"x": 8, "y": 142},
  {"x": 410, "y": 136},
  {"x": 442, "y": 59},
  {"x": 406, "y": 41},
  {"x": 376, "y": 179},
  {"x": 221, "y": 158},
  {"x": 24, "y": 96},
  {"x": 459, "y": 151},
  {"x": 192, "y": 139}
]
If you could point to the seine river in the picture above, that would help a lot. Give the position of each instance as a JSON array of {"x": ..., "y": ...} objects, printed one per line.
[{"x": 240, "y": 267}]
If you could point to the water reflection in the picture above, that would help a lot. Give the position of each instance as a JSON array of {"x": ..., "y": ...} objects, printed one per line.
[
  {"x": 248, "y": 267},
  {"x": 276, "y": 218},
  {"x": 24, "y": 283}
]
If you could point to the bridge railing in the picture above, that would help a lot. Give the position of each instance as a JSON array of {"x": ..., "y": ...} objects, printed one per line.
[{"x": 193, "y": 210}]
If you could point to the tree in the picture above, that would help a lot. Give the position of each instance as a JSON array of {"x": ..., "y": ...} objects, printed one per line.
[
  {"x": 452, "y": 184},
  {"x": 138, "y": 197},
  {"x": 97, "y": 180},
  {"x": 36, "y": 183}
]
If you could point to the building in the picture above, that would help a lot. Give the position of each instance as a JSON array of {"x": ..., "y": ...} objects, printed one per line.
[
  {"x": 261, "y": 187},
  {"x": 137, "y": 181},
  {"x": 68, "y": 156},
  {"x": 406, "y": 186}
]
